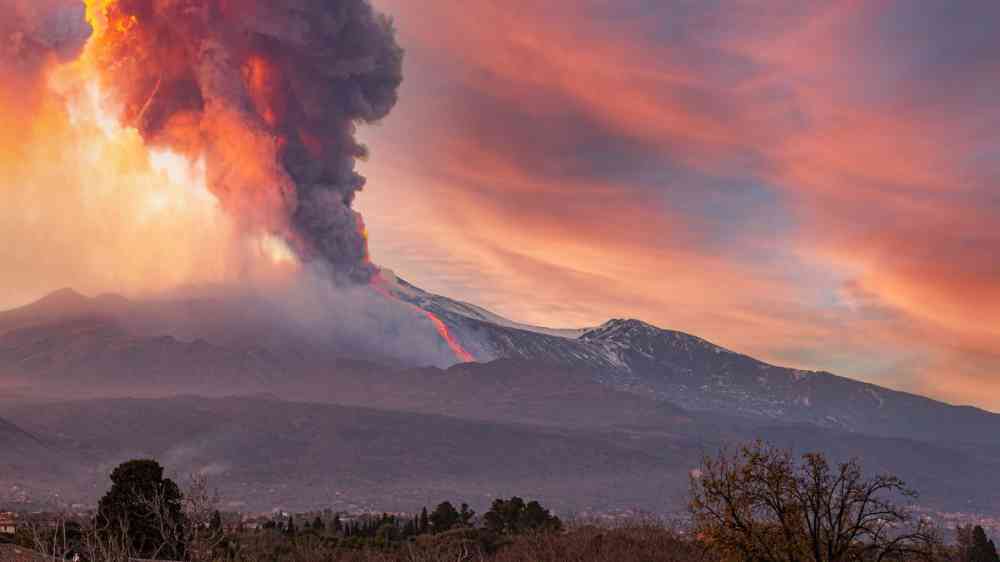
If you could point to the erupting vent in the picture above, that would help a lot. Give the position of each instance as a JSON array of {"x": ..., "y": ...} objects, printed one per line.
[{"x": 269, "y": 94}]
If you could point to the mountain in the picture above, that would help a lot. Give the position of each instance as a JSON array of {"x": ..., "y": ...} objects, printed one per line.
[
  {"x": 264, "y": 453},
  {"x": 16, "y": 440},
  {"x": 25, "y": 456},
  {"x": 602, "y": 418},
  {"x": 698, "y": 375}
]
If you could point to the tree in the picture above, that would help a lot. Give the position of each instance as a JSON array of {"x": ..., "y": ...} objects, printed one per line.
[
  {"x": 143, "y": 511},
  {"x": 444, "y": 517},
  {"x": 513, "y": 516},
  {"x": 975, "y": 546},
  {"x": 425, "y": 522},
  {"x": 204, "y": 529},
  {"x": 57, "y": 536},
  {"x": 760, "y": 505},
  {"x": 318, "y": 524}
]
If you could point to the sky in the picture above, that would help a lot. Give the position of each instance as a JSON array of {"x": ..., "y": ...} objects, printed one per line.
[{"x": 811, "y": 183}]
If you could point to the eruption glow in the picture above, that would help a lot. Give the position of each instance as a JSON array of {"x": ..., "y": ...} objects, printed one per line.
[
  {"x": 268, "y": 95},
  {"x": 189, "y": 144},
  {"x": 442, "y": 329}
]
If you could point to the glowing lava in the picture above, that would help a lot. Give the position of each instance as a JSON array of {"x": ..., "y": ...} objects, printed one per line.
[{"x": 460, "y": 352}]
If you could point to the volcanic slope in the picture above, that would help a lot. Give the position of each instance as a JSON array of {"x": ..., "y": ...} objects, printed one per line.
[{"x": 698, "y": 375}]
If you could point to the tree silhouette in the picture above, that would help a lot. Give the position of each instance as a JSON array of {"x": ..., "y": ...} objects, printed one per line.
[
  {"x": 760, "y": 505},
  {"x": 444, "y": 517},
  {"x": 513, "y": 516},
  {"x": 975, "y": 546},
  {"x": 143, "y": 511},
  {"x": 425, "y": 522}
]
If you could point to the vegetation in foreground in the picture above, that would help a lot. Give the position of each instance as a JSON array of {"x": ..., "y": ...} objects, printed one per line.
[{"x": 758, "y": 504}]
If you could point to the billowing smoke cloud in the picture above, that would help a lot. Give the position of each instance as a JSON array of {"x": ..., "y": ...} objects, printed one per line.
[
  {"x": 204, "y": 151},
  {"x": 35, "y": 33},
  {"x": 270, "y": 93}
]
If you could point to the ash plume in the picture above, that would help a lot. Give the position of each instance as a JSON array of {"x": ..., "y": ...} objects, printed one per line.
[
  {"x": 36, "y": 32},
  {"x": 270, "y": 93}
]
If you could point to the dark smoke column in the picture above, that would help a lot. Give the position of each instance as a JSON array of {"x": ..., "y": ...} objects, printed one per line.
[{"x": 271, "y": 92}]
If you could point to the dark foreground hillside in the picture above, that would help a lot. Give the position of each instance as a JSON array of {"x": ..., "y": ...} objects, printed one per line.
[
  {"x": 263, "y": 453},
  {"x": 637, "y": 543}
]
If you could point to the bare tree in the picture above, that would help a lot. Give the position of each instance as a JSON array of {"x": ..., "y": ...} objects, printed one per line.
[
  {"x": 53, "y": 535},
  {"x": 106, "y": 541},
  {"x": 191, "y": 537},
  {"x": 759, "y": 505},
  {"x": 200, "y": 509},
  {"x": 159, "y": 515}
]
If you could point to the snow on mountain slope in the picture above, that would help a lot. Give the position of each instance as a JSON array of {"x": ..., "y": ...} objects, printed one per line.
[
  {"x": 701, "y": 376},
  {"x": 437, "y": 303}
]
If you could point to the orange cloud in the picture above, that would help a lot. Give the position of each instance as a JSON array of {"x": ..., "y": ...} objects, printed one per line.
[
  {"x": 726, "y": 174},
  {"x": 814, "y": 184}
]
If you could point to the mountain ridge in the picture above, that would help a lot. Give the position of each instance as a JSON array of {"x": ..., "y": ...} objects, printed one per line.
[
  {"x": 625, "y": 388},
  {"x": 697, "y": 374},
  {"x": 630, "y": 353}
]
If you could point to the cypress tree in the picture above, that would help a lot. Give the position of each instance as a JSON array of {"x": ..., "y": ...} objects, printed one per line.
[
  {"x": 425, "y": 522},
  {"x": 982, "y": 548}
]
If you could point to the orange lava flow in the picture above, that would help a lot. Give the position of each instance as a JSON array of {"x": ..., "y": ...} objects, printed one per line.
[{"x": 460, "y": 352}]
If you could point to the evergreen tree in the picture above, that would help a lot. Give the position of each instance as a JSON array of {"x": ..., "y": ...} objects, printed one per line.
[
  {"x": 215, "y": 528},
  {"x": 318, "y": 524},
  {"x": 444, "y": 517},
  {"x": 982, "y": 548},
  {"x": 425, "y": 522},
  {"x": 513, "y": 516},
  {"x": 338, "y": 525},
  {"x": 146, "y": 508},
  {"x": 536, "y": 517},
  {"x": 504, "y": 515},
  {"x": 290, "y": 529}
]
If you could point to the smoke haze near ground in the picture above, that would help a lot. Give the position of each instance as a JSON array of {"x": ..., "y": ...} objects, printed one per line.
[{"x": 122, "y": 172}]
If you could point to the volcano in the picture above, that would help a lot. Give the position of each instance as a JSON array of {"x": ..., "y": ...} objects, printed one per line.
[{"x": 626, "y": 407}]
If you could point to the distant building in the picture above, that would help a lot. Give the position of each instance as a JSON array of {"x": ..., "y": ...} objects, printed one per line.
[{"x": 8, "y": 524}]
